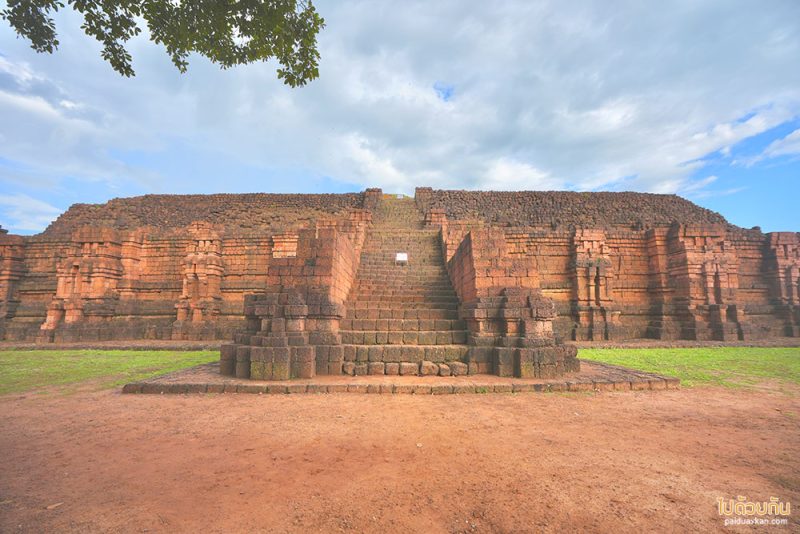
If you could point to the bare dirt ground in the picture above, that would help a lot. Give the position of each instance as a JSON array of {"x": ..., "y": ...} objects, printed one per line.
[{"x": 397, "y": 463}]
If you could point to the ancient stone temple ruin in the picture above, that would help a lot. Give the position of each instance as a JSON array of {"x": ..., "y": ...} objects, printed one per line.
[{"x": 310, "y": 284}]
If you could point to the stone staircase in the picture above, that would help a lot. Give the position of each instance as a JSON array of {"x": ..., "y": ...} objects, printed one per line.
[{"x": 402, "y": 319}]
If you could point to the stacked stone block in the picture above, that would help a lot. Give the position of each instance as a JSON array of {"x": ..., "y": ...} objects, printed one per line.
[
  {"x": 652, "y": 266},
  {"x": 509, "y": 319},
  {"x": 566, "y": 208},
  {"x": 402, "y": 319},
  {"x": 162, "y": 280},
  {"x": 180, "y": 266},
  {"x": 293, "y": 326}
]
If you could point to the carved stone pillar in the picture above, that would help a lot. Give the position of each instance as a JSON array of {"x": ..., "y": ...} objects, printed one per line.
[
  {"x": 593, "y": 274},
  {"x": 704, "y": 272},
  {"x": 203, "y": 272},
  {"x": 783, "y": 261},
  {"x": 86, "y": 292},
  {"x": 12, "y": 268}
]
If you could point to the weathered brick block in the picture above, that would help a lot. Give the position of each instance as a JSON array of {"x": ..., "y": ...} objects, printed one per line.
[
  {"x": 227, "y": 352},
  {"x": 427, "y": 368},
  {"x": 408, "y": 368},
  {"x": 242, "y": 369},
  {"x": 260, "y": 354},
  {"x": 227, "y": 367},
  {"x": 375, "y": 354},
  {"x": 257, "y": 370},
  {"x": 281, "y": 369},
  {"x": 458, "y": 368},
  {"x": 392, "y": 353},
  {"x": 336, "y": 353}
]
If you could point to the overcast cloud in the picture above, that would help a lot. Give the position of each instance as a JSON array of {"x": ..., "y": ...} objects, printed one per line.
[{"x": 481, "y": 95}]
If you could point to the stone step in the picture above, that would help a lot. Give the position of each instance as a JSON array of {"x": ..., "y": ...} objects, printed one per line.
[
  {"x": 400, "y": 284},
  {"x": 407, "y": 305},
  {"x": 402, "y": 325},
  {"x": 423, "y": 368},
  {"x": 405, "y": 353},
  {"x": 417, "y": 298},
  {"x": 415, "y": 257},
  {"x": 402, "y": 236},
  {"x": 394, "y": 305},
  {"x": 390, "y": 269},
  {"x": 392, "y": 285},
  {"x": 414, "y": 283},
  {"x": 403, "y": 273},
  {"x": 390, "y": 272},
  {"x": 403, "y": 283},
  {"x": 406, "y": 238},
  {"x": 362, "y": 296},
  {"x": 388, "y": 259},
  {"x": 366, "y": 292},
  {"x": 400, "y": 291},
  {"x": 401, "y": 313},
  {"x": 414, "y": 241},
  {"x": 416, "y": 337}
]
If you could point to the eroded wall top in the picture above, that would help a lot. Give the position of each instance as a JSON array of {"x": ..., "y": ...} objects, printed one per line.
[
  {"x": 566, "y": 208},
  {"x": 236, "y": 213}
]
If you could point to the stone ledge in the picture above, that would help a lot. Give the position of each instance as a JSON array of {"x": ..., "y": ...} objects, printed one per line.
[{"x": 593, "y": 377}]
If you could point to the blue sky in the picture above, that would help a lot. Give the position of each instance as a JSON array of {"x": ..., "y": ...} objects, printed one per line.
[{"x": 701, "y": 99}]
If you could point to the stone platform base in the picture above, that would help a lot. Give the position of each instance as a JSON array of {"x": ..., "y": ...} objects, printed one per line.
[{"x": 592, "y": 377}]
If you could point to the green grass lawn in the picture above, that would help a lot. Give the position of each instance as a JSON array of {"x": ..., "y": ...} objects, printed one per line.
[
  {"x": 68, "y": 370},
  {"x": 722, "y": 366},
  {"x": 39, "y": 369}
]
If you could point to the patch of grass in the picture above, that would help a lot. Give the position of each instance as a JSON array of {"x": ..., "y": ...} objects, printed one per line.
[
  {"x": 39, "y": 369},
  {"x": 723, "y": 366}
]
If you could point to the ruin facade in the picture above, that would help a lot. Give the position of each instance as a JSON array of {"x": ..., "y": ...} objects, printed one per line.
[{"x": 307, "y": 284}]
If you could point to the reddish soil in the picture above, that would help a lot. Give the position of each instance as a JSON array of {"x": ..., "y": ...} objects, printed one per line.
[{"x": 350, "y": 462}]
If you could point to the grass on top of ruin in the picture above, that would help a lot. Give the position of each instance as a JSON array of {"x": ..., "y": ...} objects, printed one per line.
[
  {"x": 719, "y": 366},
  {"x": 65, "y": 371}
]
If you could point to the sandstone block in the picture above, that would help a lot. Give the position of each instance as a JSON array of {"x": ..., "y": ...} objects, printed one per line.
[
  {"x": 427, "y": 368},
  {"x": 336, "y": 353},
  {"x": 408, "y": 368},
  {"x": 375, "y": 354},
  {"x": 458, "y": 368}
]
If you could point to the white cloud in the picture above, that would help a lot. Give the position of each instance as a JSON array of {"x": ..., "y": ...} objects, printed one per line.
[
  {"x": 20, "y": 72},
  {"x": 698, "y": 185},
  {"x": 788, "y": 146},
  {"x": 22, "y": 212},
  {"x": 509, "y": 175},
  {"x": 549, "y": 94}
]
